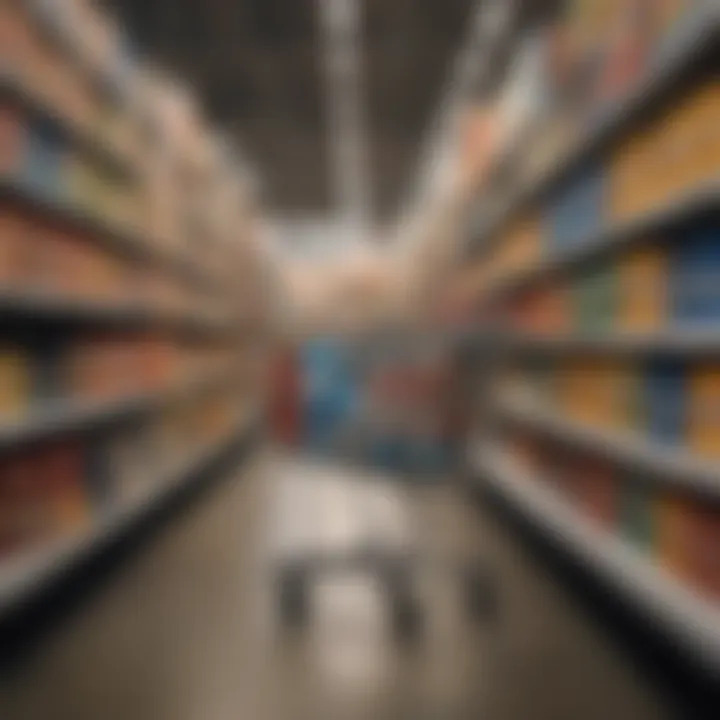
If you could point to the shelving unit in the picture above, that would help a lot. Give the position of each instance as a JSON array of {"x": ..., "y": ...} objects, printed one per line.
[
  {"x": 664, "y": 464},
  {"x": 615, "y": 238},
  {"x": 124, "y": 242},
  {"x": 27, "y": 576},
  {"x": 124, "y": 368},
  {"x": 53, "y": 308},
  {"x": 675, "y": 342},
  {"x": 600, "y": 335},
  {"x": 690, "y": 44},
  {"x": 691, "y": 622},
  {"x": 65, "y": 417},
  {"x": 15, "y": 92}
]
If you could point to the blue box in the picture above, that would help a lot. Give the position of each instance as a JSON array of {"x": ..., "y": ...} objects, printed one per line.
[
  {"x": 42, "y": 164},
  {"x": 695, "y": 275},
  {"x": 664, "y": 400},
  {"x": 578, "y": 208}
]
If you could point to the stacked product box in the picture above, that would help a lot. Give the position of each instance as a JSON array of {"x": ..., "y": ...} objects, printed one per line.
[
  {"x": 600, "y": 490},
  {"x": 703, "y": 430},
  {"x": 694, "y": 275},
  {"x": 99, "y": 271},
  {"x": 685, "y": 138},
  {"x": 687, "y": 539},
  {"x": 577, "y": 210},
  {"x": 664, "y": 401},
  {"x": 638, "y": 510},
  {"x": 595, "y": 297},
  {"x": 643, "y": 287},
  {"x": 626, "y": 427}
]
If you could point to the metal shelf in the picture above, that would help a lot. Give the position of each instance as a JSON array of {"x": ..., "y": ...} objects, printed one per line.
[
  {"x": 27, "y": 576},
  {"x": 673, "y": 609},
  {"x": 702, "y": 199},
  {"x": 68, "y": 416},
  {"x": 694, "y": 40},
  {"x": 663, "y": 464},
  {"x": 46, "y": 307},
  {"x": 51, "y": 20},
  {"x": 124, "y": 242},
  {"x": 17, "y": 92},
  {"x": 679, "y": 341}
]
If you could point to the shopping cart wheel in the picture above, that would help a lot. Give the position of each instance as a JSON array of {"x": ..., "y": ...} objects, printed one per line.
[
  {"x": 407, "y": 620},
  {"x": 481, "y": 593},
  {"x": 405, "y": 610},
  {"x": 293, "y": 597}
]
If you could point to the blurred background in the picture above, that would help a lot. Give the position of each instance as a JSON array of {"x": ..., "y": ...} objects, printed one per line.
[{"x": 359, "y": 359}]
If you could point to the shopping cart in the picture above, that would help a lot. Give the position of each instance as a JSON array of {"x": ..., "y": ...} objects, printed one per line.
[
  {"x": 355, "y": 511},
  {"x": 335, "y": 518}
]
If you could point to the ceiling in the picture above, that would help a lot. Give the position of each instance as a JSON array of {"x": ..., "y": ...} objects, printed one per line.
[{"x": 257, "y": 65}]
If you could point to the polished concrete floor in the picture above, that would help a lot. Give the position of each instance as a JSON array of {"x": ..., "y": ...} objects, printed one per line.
[{"x": 186, "y": 628}]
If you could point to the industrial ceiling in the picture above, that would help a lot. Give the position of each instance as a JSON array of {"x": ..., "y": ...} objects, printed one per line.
[{"x": 258, "y": 67}]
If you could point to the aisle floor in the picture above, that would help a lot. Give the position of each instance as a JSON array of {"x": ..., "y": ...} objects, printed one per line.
[{"x": 186, "y": 628}]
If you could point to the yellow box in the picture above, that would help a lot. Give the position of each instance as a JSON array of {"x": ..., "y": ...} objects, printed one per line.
[
  {"x": 632, "y": 174},
  {"x": 705, "y": 134},
  {"x": 674, "y": 153},
  {"x": 520, "y": 247},
  {"x": 672, "y": 515},
  {"x": 623, "y": 171},
  {"x": 15, "y": 383},
  {"x": 606, "y": 398},
  {"x": 622, "y": 385},
  {"x": 689, "y": 139},
  {"x": 588, "y": 392},
  {"x": 704, "y": 411},
  {"x": 643, "y": 289}
]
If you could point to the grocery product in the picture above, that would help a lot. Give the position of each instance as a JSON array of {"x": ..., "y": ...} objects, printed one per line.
[
  {"x": 577, "y": 209},
  {"x": 25, "y": 514},
  {"x": 521, "y": 246},
  {"x": 564, "y": 468},
  {"x": 539, "y": 375},
  {"x": 643, "y": 280},
  {"x": 11, "y": 231},
  {"x": 673, "y": 545},
  {"x": 694, "y": 275},
  {"x": 676, "y": 151},
  {"x": 50, "y": 380},
  {"x": 13, "y": 140},
  {"x": 637, "y": 521},
  {"x": 595, "y": 298},
  {"x": 95, "y": 155},
  {"x": 626, "y": 51},
  {"x": 99, "y": 471},
  {"x": 42, "y": 161},
  {"x": 15, "y": 382},
  {"x": 599, "y": 491},
  {"x": 623, "y": 378},
  {"x": 591, "y": 391},
  {"x": 632, "y": 180},
  {"x": 703, "y": 542},
  {"x": 663, "y": 401},
  {"x": 546, "y": 309},
  {"x": 704, "y": 410},
  {"x": 63, "y": 473}
]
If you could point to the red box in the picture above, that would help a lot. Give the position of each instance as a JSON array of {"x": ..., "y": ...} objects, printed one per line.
[
  {"x": 24, "y": 514},
  {"x": 13, "y": 136},
  {"x": 13, "y": 229},
  {"x": 703, "y": 562},
  {"x": 63, "y": 472},
  {"x": 600, "y": 492}
]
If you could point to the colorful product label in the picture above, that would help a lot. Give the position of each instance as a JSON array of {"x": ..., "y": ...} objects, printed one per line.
[
  {"x": 704, "y": 411},
  {"x": 643, "y": 289}
]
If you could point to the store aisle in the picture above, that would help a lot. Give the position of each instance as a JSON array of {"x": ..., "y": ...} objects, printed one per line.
[{"x": 186, "y": 631}]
